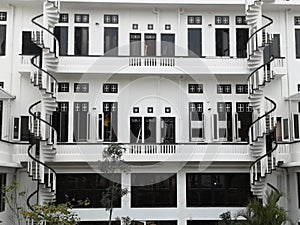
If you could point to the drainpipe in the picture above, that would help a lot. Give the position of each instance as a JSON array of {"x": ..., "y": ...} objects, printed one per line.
[
  {"x": 156, "y": 11},
  {"x": 12, "y": 44},
  {"x": 180, "y": 12}
]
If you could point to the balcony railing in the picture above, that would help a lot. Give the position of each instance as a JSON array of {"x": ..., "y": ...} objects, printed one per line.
[{"x": 151, "y": 65}]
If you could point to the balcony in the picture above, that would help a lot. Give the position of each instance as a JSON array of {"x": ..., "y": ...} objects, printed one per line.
[
  {"x": 279, "y": 66},
  {"x": 145, "y": 65}
]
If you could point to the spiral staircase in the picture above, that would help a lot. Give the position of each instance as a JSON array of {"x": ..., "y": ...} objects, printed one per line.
[
  {"x": 42, "y": 147},
  {"x": 262, "y": 138}
]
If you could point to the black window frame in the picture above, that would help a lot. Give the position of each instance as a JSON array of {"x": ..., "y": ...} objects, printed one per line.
[
  {"x": 60, "y": 88},
  {"x": 3, "y": 179},
  {"x": 79, "y": 87},
  {"x": 77, "y": 186},
  {"x": 62, "y": 16},
  {"x": 221, "y": 89},
  {"x": 3, "y": 16},
  {"x": 241, "y": 88},
  {"x": 194, "y": 20},
  {"x": 112, "y": 88},
  {"x": 109, "y": 19},
  {"x": 210, "y": 189},
  {"x": 81, "y": 18},
  {"x": 3, "y": 44},
  {"x": 297, "y": 42},
  {"x": 153, "y": 193}
]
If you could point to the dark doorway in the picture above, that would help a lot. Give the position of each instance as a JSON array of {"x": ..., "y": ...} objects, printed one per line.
[
  {"x": 149, "y": 130},
  {"x": 168, "y": 130},
  {"x": 135, "y": 130},
  {"x": 24, "y": 128},
  {"x": 167, "y": 44},
  {"x": 222, "y": 42},
  {"x": 60, "y": 121},
  {"x": 242, "y": 35},
  {"x": 244, "y": 118}
]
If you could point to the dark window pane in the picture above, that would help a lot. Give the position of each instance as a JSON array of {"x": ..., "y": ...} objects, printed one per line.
[
  {"x": 153, "y": 190},
  {"x": 60, "y": 121},
  {"x": 285, "y": 129},
  {"x": 81, "y": 41},
  {"x": 297, "y": 32},
  {"x": 296, "y": 126},
  {"x": 167, "y": 44},
  {"x": 276, "y": 45},
  {"x": 2, "y": 39},
  {"x": 222, "y": 42},
  {"x": 2, "y": 183},
  {"x": 150, "y": 45},
  {"x": 135, "y": 44},
  {"x": 61, "y": 33},
  {"x": 111, "y": 38},
  {"x": 241, "y": 42},
  {"x": 28, "y": 47},
  {"x": 80, "y": 121},
  {"x": 24, "y": 128},
  {"x": 195, "y": 42},
  {"x": 217, "y": 190},
  {"x": 83, "y": 186}
]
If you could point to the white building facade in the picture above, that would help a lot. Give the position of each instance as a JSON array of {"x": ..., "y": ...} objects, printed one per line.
[{"x": 202, "y": 94}]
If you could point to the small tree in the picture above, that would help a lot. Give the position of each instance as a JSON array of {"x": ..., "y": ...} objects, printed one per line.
[
  {"x": 257, "y": 213},
  {"x": 53, "y": 214},
  {"x": 113, "y": 163},
  {"x": 15, "y": 200}
]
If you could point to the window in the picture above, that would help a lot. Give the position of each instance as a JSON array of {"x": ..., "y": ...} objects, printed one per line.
[
  {"x": 3, "y": 16},
  {"x": 167, "y": 44},
  {"x": 110, "y": 112},
  {"x": 222, "y": 122},
  {"x": 80, "y": 121},
  {"x": 1, "y": 118},
  {"x": 16, "y": 128},
  {"x": 1, "y": 84},
  {"x": 2, "y": 183},
  {"x": 81, "y": 41},
  {"x": 28, "y": 47},
  {"x": 150, "y": 45},
  {"x": 195, "y": 42},
  {"x": 81, "y": 87},
  {"x": 196, "y": 121},
  {"x": 222, "y": 20},
  {"x": 63, "y": 87},
  {"x": 150, "y": 26},
  {"x": 2, "y": 39},
  {"x": 60, "y": 121},
  {"x": 285, "y": 125},
  {"x": 136, "y": 109},
  {"x": 217, "y": 190},
  {"x": 243, "y": 120},
  {"x": 296, "y": 126},
  {"x": 209, "y": 222},
  {"x": 240, "y": 20},
  {"x": 153, "y": 190},
  {"x": 135, "y": 44},
  {"x": 195, "y": 88},
  {"x": 61, "y": 33},
  {"x": 224, "y": 89},
  {"x": 194, "y": 20},
  {"x": 25, "y": 128},
  {"x": 241, "y": 89},
  {"x": 276, "y": 45},
  {"x": 297, "y": 20},
  {"x": 111, "y": 38},
  {"x": 111, "y": 19},
  {"x": 63, "y": 18},
  {"x": 297, "y": 33},
  {"x": 168, "y": 27},
  {"x": 110, "y": 88},
  {"x": 81, "y": 18},
  {"x": 83, "y": 186},
  {"x": 222, "y": 42},
  {"x": 242, "y": 35},
  {"x": 135, "y": 26},
  {"x": 298, "y": 186}
]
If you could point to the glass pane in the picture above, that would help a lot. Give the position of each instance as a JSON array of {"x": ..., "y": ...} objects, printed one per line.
[
  {"x": 135, "y": 44},
  {"x": 150, "y": 45},
  {"x": 2, "y": 39},
  {"x": 168, "y": 45},
  {"x": 111, "y": 41},
  {"x": 195, "y": 42},
  {"x": 61, "y": 33},
  {"x": 285, "y": 129},
  {"x": 81, "y": 41},
  {"x": 222, "y": 42},
  {"x": 241, "y": 42},
  {"x": 297, "y": 32},
  {"x": 276, "y": 45}
]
